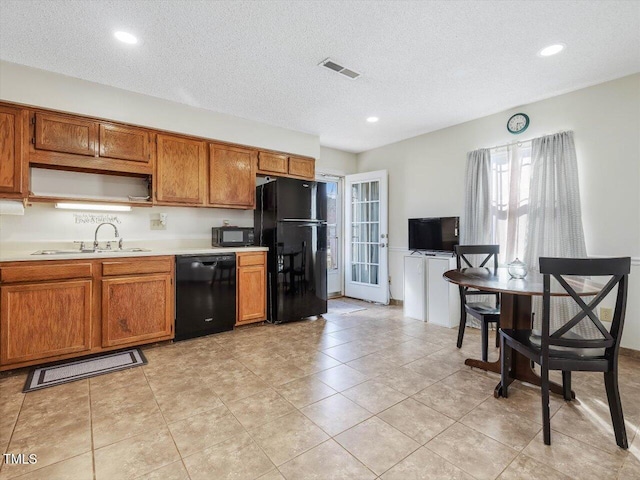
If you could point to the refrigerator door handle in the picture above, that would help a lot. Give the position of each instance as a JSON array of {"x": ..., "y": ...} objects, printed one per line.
[{"x": 306, "y": 220}]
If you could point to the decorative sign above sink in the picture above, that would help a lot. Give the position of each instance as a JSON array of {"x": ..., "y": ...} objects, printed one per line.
[{"x": 95, "y": 219}]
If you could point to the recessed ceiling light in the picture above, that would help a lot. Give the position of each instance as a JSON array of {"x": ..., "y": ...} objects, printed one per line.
[
  {"x": 125, "y": 37},
  {"x": 372, "y": 119},
  {"x": 551, "y": 50}
]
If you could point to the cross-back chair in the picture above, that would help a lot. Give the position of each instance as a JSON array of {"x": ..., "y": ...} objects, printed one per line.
[
  {"x": 485, "y": 313},
  {"x": 569, "y": 349}
]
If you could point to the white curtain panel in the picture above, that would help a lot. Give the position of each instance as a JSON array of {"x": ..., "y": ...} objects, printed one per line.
[
  {"x": 554, "y": 226},
  {"x": 475, "y": 228},
  {"x": 555, "y": 218},
  {"x": 475, "y": 224}
]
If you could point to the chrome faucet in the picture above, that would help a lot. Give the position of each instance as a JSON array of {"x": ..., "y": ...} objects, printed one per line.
[{"x": 95, "y": 238}]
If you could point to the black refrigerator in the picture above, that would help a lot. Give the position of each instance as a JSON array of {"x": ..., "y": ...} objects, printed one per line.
[{"x": 291, "y": 219}]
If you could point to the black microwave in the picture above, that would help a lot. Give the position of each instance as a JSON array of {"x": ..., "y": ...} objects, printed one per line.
[{"x": 232, "y": 236}]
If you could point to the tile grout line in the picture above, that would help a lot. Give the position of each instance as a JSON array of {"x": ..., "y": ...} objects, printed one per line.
[
  {"x": 166, "y": 424},
  {"x": 13, "y": 430},
  {"x": 93, "y": 450}
]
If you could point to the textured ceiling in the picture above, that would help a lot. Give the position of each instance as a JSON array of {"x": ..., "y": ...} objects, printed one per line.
[{"x": 425, "y": 65}]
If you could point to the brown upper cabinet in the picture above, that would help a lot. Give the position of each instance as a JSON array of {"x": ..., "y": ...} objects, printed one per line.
[
  {"x": 232, "y": 176},
  {"x": 272, "y": 163},
  {"x": 59, "y": 133},
  {"x": 11, "y": 168},
  {"x": 124, "y": 143},
  {"x": 286, "y": 166},
  {"x": 87, "y": 144},
  {"x": 302, "y": 167},
  {"x": 177, "y": 164},
  {"x": 180, "y": 170}
]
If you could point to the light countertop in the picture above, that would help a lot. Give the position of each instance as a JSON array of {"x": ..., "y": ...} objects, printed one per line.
[{"x": 23, "y": 253}]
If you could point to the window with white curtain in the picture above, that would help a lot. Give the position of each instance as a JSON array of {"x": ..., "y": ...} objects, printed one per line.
[{"x": 510, "y": 179}]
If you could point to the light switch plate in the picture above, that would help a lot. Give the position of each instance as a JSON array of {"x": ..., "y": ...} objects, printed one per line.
[{"x": 158, "y": 221}]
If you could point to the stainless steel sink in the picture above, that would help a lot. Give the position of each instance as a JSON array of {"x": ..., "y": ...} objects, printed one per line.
[
  {"x": 55, "y": 252},
  {"x": 72, "y": 252}
]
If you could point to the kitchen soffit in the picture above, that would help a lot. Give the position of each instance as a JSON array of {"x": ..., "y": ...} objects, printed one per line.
[{"x": 424, "y": 65}]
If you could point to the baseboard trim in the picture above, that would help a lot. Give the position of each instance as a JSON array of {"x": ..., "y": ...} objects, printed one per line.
[
  {"x": 630, "y": 352},
  {"x": 395, "y": 302}
]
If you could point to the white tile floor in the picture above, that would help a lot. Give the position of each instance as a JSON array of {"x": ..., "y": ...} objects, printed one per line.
[{"x": 361, "y": 395}]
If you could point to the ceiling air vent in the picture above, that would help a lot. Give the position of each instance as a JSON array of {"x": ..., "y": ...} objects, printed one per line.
[{"x": 336, "y": 67}]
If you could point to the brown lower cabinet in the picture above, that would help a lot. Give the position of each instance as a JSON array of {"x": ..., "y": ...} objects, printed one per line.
[
  {"x": 136, "y": 309},
  {"x": 54, "y": 310},
  {"x": 47, "y": 319},
  {"x": 252, "y": 291}
]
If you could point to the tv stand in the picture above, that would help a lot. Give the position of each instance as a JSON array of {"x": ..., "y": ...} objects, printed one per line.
[{"x": 427, "y": 295}]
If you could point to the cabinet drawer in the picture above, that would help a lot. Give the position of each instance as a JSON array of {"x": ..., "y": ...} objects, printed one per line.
[
  {"x": 253, "y": 258},
  {"x": 137, "y": 266},
  {"x": 302, "y": 167},
  {"x": 40, "y": 272},
  {"x": 270, "y": 162}
]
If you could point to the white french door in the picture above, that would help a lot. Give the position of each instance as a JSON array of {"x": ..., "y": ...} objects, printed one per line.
[{"x": 366, "y": 237}]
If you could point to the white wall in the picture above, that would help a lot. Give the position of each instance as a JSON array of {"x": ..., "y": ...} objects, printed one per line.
[
  {"x": 45, "y": 89},
  {"x": 42, "y": 223},
  {"x": 426, "y": 173},
  {"x": 336, "y": 162}
]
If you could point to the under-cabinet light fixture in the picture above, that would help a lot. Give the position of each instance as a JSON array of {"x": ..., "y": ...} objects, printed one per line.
[{"x": 93, "y": 206}]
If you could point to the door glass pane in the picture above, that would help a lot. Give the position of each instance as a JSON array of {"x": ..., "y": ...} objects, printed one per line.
[
  {"x": 332, "y": 248},
  {"x": 374, "y": 211},
  {"x": 373, "y": 254},
  {"x": 364, "y": 192},
  {"x": 374, "y": 232},
  {"x": 364, "y": 273},
  {"x": 365, "y": 227},
  {"x": 332, "y": 226},
  {"x": 373, "y": 279},
  {"x": 332, "y": 203},
  {"x": 355, "y": 192},
  {"x": 375, "y": 191},
  {"x": 364, "y": 212}
]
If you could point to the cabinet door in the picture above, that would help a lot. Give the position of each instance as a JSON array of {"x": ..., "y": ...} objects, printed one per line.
[
  {"x": 124, "y": 143},
  {"x": 10, "y": 150},
  {"x": 252, "y": 300},
  {"x": 272, "y": 163},
  {"x": 438, "y": 290},
  {"x": 232, "y": 177},
  {"x": 42, "y": 320},
  {"x": 180, "y": 170},
  {"x": 58, "y": 133},
  {"x": 302, "y": 167},
  {"x": 136, "y": 309}
]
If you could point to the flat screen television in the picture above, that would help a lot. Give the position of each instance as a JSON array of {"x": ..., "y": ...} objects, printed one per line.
[{"x": 434, "y": 234}]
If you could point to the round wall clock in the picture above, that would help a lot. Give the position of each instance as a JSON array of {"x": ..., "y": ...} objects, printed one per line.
[{"x": 518, "y": 123}]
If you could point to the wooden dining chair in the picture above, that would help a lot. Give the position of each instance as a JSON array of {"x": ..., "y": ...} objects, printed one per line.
[
  {"x": 485, "y": 313},
  {"x": 592, "y": 348}
]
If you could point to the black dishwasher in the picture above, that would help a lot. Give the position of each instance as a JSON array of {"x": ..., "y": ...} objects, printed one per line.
[{"x": 205, "y": 294}]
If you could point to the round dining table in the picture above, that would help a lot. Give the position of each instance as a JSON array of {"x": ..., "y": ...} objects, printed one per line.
[{"x": 515, "y": 311}]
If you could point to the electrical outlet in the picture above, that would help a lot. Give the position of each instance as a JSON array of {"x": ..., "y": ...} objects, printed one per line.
[
  {"x": 158, "y": 221},
  {"x": 606, "y": 314}
]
